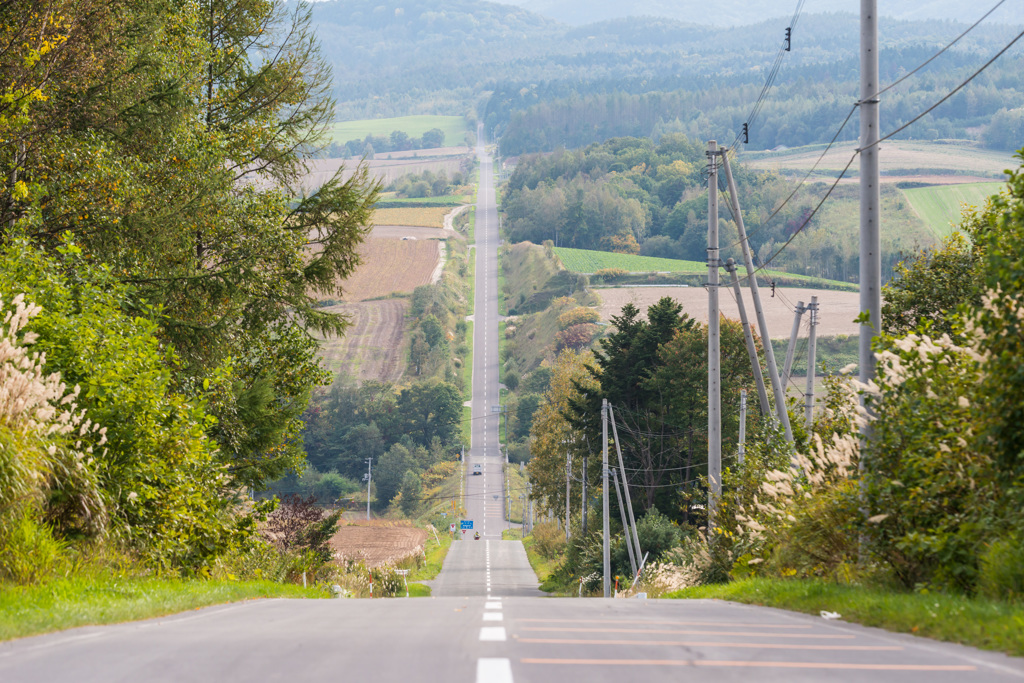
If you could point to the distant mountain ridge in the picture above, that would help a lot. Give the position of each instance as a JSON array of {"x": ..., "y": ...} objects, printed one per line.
[{"x": 744, "y": 12}]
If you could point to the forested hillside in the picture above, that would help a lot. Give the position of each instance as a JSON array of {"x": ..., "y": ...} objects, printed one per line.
[{"x": 634, "y": 196}]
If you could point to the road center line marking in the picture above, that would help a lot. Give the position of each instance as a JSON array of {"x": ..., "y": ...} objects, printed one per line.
[
  {"x": 754, "y": 665},
  {"x": 492, "y": 633},
  {"x": 493, "y": 670},
  {"x": 493, "y": 605},
  {"x": 492, "y": 616}
]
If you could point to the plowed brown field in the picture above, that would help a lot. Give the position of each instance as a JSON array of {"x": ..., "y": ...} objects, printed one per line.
[
  {"x": 836, "y": 309},
  {"x": 391, "y": 265},
  {"x": 372, "y": 346},
  {"x": 377, "y": 542}
]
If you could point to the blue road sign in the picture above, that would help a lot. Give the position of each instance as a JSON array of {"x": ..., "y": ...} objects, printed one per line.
[{"x": 467, "y": 524}]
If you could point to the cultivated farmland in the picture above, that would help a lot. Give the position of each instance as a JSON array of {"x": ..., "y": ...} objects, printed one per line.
[
  {"x": 941, "y": 206},
  {"x": 378, "y": 542},
  {"x": 425, "y": 216},
  {"x": 454, "y": 128},
  {"x": 391, "y": 265},
  {"x": 371, "y": 348},
  {"x": 836, "y": 309}
]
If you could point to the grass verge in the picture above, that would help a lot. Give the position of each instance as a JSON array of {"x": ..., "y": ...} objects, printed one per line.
[
  {"x": 68, "y": 603},
  {"x": 957, "y": 619}
]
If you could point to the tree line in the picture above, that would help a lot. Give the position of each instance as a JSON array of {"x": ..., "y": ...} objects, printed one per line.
[{"x": 160, "y": 257}]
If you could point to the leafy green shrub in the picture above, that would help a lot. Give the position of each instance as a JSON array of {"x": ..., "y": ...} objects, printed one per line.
[
  {"x": 1002, "y": 569},
  {"x": 577, "y": 337},
  {"x": 511, "y": 380},
  {"x": 549, "y": 540},
  {"x": 577, "y": 316}
]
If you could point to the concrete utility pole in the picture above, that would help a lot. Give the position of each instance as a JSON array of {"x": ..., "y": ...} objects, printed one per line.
[
  {"x": 870, "y": 217},
  {"x": 812, "y": 361},
  {"x": 762, "y": 323},
  {"x": 625, "y": 524},
  {"x": 714, "y": 343},
  {"x": 568, "y": 478},
  {"x": 607, "y": 566},
  {"x": 369, "y": 480},
  {"x": 633, "y": 538},
  {"x": 790, "y": 351},
  {"x": 742, "y": 451},
  {"x": 748, "y": 334},
  {"x": 583, "y": 504}
]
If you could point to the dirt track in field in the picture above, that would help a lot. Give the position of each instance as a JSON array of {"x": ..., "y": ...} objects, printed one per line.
[
  {"x": 836, "y": 309},
  {"x": 372, "y": 346},
  {"x": 377, "y": 542}
]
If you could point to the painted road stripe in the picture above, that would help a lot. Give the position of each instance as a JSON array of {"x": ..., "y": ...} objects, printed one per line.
[
  {"x": 493, "y": 616},
  {"x": 705, "y": 643},
  {"x": 731, "y": 624},
  {"x": 493, "y": 671},
  {"x": 492, "y": 633},
  {"x": 691, "y": 633},
  {"x": 754, "y": 665},
  {"x": 493, "y": 605}
]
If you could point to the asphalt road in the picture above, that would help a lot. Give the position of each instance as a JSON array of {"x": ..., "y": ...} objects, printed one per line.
[{"x": 485, "y": 624}]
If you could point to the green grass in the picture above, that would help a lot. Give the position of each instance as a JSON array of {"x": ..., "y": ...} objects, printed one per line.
[
  {"x": 587, "y": 261},
  {"x": 467, "y": 425},
  {"x": 516, "y": 488},
  {"x": 447, "y": 200},
  {"x": 419, "y": 590},
  {"x": 940, "y": 206},
  {"x": 467, "y": 365},
  {"x": 970, "y": 621},
  {"x": 454, "y": 128},
  {"x": 85, "y": 601},
  {"x": 431, "y": 567}
]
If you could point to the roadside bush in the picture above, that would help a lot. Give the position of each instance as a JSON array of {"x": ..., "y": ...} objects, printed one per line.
[
  {"x": 1002, "y": 569},
  {"x": 577, "y": 337},
  {"x": 549, "y": 540}
]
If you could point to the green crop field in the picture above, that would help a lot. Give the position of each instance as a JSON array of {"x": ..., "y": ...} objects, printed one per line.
[
  {"x": 454, "y": 128},
  {"x": 584, "y": 261},
  {"x": 940, "y": 206}
]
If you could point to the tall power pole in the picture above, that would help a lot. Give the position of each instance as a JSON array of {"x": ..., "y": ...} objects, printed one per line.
[
  {"x": 583, "y": 491},
  {"x": 605, "y": 516},
  {"x": 714, "y": 348},
  {"x": 762, "y": 322},
  {"x": 787, "y": 368},
  {"x": 812, "y": 361},
  {"x": 568, "y": 478},
  {"x": 742, "y": 449},
  {"x": 755, "y": 364},
  {"x": 870, "y": 218},
  {"x": 369, "y": 480}
]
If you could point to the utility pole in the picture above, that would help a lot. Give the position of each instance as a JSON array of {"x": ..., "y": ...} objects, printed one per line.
[
  {"x": 812, "y": 361},
  {"x": 870, "y": 215},
  {"x": 742, "y": 452},
  {"x": 748, "y": 334},
  {"x": 714, "y": 348},
  {"x": 625, "y": 525},
  {"x": 631, "y": 538},
  {"x": 369, "y": 480},
  {"x": 607, "y": 565},
  {"x": 583, "y": 504},
  {"x": 568, "y": 478},
  {"x": 762, "y": 323},
  {"x": 790, "y": 351}
]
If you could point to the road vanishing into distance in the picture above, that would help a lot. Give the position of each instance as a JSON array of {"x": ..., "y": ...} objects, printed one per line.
[{"x": 487, "y": 621}]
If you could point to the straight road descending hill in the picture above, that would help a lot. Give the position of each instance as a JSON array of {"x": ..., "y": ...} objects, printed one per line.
[{"x": 471, "y": 570}]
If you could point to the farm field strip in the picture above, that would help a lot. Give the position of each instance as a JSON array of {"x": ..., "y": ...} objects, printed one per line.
[
  {"x": 391, "y": 265},
  {"x": 941, "y": 206},
  {"x": 372, "y": 346},
  {"x": 896, "y": 158},
  {"x": 588, "y": 261},
  {"x": 378, "y": 543},
  {"x": 421, "y": 216},
  {"x": 837, "y": 309},
  {"x": 454, "y": 128}
]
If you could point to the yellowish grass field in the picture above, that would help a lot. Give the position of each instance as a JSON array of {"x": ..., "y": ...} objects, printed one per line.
[{"x": 425, "y": 216}]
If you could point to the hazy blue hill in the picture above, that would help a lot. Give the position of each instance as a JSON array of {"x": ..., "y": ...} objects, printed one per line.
[{"x": 743, "y": 12}]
